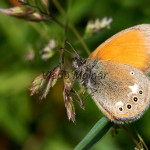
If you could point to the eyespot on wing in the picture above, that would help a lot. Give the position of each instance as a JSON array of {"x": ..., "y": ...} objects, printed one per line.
[{"x": 124, "y": 94}]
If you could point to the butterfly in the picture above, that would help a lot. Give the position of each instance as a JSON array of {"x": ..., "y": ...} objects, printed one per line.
[{"x": 115, "y": 74}]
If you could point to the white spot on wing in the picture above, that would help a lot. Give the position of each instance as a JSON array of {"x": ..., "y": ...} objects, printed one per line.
[
  {"x": 134, "y": 88},
  {"x": 119, "y": 104}
]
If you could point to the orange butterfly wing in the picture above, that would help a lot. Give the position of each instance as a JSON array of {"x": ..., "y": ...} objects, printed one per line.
[{"x": 130, "y": 46}]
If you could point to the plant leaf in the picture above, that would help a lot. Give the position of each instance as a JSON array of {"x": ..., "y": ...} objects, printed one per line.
[{"x": 95, "y": 134}]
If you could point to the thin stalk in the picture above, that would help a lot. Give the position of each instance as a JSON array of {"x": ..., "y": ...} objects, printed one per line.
[
  {"x": 71, "y": 26},
  {"x": 57, "y": 21},
  {"x": 52, "y": 18},
  {"x": 59, "y": 7},
  {"x": 142, "y": 141},
  {"x": 133, "y": 138},
  {"x": 95, "y": 134},
  {"x": 79, "y": 38},
  {"x": 130, "y": 135}
]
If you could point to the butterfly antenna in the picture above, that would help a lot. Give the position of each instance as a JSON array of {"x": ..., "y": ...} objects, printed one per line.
[{"x": 67, "y": 42}]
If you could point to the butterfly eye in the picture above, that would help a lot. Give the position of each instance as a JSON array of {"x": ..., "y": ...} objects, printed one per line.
[
  {"x": 76, "y": 63},
  {"x": 135, "y": 99},
  {"x": 140, "y": 92},
  {"x": 129, "y": 106}
]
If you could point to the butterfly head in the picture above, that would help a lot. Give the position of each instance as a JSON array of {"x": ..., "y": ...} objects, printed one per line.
[{"x": 77, "y": 63}]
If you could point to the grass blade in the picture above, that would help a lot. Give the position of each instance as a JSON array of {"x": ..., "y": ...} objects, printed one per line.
[{"x": 95, "y": 134}]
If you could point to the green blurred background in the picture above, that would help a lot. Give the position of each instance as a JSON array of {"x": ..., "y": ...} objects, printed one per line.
[{"x": 29, "y": 125}]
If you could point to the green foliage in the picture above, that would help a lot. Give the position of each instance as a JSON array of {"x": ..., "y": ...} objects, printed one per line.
[
  {"x": 95, "y": 134},
  {"x": 26, "y": 124}
]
